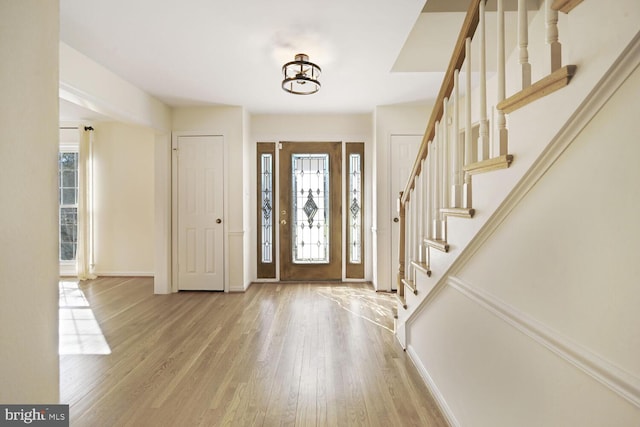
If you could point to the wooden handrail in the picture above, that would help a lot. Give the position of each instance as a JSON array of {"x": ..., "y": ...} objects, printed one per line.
[{"x": 457, "y": 59}]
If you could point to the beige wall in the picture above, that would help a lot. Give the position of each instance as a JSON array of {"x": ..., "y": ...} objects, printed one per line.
[
  {"x": 28, "y": 219},
  {"x": 123, "y": 199},
  {"x": 310, "y": 127}
]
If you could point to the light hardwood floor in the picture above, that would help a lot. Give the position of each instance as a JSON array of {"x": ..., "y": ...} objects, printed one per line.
[{"x": 279, "y": 354}]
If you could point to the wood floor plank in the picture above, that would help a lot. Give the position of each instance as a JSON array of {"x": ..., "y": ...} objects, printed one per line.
[{"x": 278, "y": 354}]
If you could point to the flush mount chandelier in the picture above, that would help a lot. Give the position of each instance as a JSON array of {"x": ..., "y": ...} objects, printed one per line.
[{"x": 301, "y": 76}]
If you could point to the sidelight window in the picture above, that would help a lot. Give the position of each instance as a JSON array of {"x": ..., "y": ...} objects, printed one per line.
[
  {"x": 354, "y": 202},
  {"x": 266, "y": 209}
]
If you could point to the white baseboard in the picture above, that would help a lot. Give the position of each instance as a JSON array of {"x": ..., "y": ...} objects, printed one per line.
[
  {"x": 433, "y": 388},
  {"x": 124, "y": 273}
]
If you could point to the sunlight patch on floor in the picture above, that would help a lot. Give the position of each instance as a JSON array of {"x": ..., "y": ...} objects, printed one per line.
[
  {"x": 372, "y": 306},
  {"x": 79, "y": 331}
]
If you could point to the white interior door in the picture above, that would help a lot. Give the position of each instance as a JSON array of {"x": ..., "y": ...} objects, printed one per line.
[
  {"x": 404, "y": 149},
  {"x": 200, "y": 213}
]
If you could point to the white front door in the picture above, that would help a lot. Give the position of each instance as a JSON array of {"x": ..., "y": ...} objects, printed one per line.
[
  {"x": 200, "y": 225},
  {"x": 404, "y": 149}
]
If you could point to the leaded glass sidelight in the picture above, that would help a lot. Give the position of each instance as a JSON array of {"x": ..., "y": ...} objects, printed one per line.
[
  {"x": 355, "y": 209},
  {"x": 265, "y": 210},
  {"x": 310, "y": 208},
  {"x": 266, "y": 160}
]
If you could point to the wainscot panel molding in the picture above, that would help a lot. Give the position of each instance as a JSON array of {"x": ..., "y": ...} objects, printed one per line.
[{"x": 619, "y": 381}]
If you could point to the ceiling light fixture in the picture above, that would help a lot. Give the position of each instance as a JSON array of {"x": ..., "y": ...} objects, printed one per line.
[{"x": 301, "y": 76}]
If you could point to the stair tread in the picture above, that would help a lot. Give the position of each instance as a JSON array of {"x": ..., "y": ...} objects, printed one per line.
[
  {"x": 411, "y": 285},
  {"x": 440, "y": 245},
  {"x": 459, "y": 212},
  {"x": 549, "y": 84},
  {"x": 422, "y": 266},
  {"x": 402, "y": 301}
]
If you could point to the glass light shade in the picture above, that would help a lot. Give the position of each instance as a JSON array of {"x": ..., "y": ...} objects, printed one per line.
[{"x": 301, "y": 76}]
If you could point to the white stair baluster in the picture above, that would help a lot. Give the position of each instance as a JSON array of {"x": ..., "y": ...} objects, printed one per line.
[
  {"x": 436, "y": 182},
  {"x": 426, "y": 192},
  {"x": 469, "y": 146},
  {"x": 420, "y": 212},
  {"x": 412, "y": 229},
  {"x": 523, "y": 42},
  {"x": 446, "y": 148},
  {"x": 407, "y": 237},
  {"x": 555, "y": 48},
  {"x": 483, "y": 138},
  {"x": 502, "y": 134},
  {"x": 457, "y": 154},
  {"x": 434, "y": 188}
]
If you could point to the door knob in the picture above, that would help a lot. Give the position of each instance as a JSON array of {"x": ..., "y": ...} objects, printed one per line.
[
  {"x": 218, "y": 221},
  {"x": 396, "y": 219}
]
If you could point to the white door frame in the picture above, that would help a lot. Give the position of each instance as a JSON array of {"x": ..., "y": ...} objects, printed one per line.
[
  {"x": 394, "y": 263},
  {"x": 174, "y": 204}
]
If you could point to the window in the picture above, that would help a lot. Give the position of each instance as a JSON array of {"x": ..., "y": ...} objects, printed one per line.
[
  {"x": 68, "y": 189},
  {"x": 354, "y": 203},
  {"x": 310, "y": 218},
  {"x": 266, "y": 206},
  {"x": 68, "y": 202}
]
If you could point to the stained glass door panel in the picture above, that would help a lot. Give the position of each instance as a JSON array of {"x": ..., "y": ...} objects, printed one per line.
[
  {"x": 310, "y": 222},
  {"x": 310, "y": 219}
]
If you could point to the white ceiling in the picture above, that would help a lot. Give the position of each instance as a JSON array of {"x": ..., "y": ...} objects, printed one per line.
[{"x": 213, "y": 52}]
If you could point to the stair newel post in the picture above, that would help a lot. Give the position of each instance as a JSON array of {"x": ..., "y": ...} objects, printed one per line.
[
  {"x": 523, "y": 43},
  {"x": 501, "y": 120},
  {"x": 457, "y": 151},
  {"x": 469, "y": 146},
  {"x": 401, "y": 246},
  {"x": 483, "y": 138},
  {"x": 555, "y": 48}
]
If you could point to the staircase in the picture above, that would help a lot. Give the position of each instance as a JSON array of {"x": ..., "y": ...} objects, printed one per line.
[
  {"x": 454, "y": 148},
  {"x": 495, "y": 130}
]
